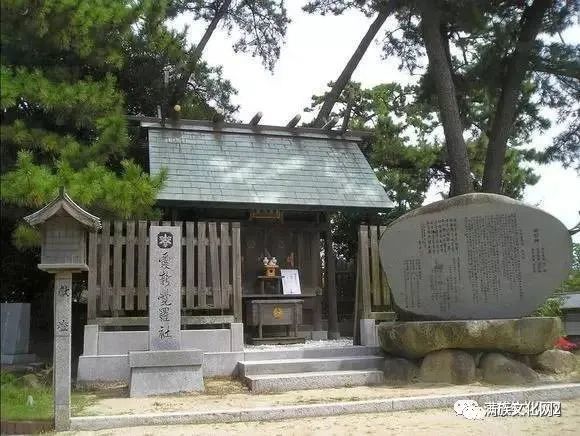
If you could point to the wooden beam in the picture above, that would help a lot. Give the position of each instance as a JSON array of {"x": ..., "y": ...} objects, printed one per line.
[
  {"x": 294, "y": 121},
  {"x": 256, "y": 119},
  {"x": 237, "y": 271},
  {"x": 330, "y": 124},
  {"x": 365, "y": 281},
  {"x": 333, "y": 332}
]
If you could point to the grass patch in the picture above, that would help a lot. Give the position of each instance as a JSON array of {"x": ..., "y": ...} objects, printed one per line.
[{"x": 14, "y": 395}]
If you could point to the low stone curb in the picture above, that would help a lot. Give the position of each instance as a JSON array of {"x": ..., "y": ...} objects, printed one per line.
[{"x": 539, "y": 393}]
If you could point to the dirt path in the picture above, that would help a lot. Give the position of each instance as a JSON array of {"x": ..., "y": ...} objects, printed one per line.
[
  {"x": 424, "y": 422},
  {"x": 227, "y": 394}
]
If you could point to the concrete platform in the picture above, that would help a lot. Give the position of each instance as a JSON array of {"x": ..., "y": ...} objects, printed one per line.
[
  {"x": 284, "y": 370},
  {"x": 312, "y": 380},
  {"x": 306, "y": 352},
  {"x": 282, "y": 366}
]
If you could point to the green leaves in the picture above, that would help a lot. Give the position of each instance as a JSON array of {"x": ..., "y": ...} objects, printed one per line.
[
  {"x": 63, "y": 111},
  {"x": 127, "y": 194},
  {"x": 28, "y": 184},
  {"x": 77, "y": 102}
]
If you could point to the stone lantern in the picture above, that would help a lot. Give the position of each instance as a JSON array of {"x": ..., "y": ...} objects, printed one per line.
[{"x": 64, "y": 227}]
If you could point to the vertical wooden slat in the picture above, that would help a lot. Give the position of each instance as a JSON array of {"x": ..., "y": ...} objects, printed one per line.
[
  {"x": 201, "y": 265},
  {"x": 315, "y": 267},
  {"x": 130, "y": 266},
  {"x": 182, "y": 245},
  {"x": 363, "y": 241},
  {"x": 92, "y": 278},
  {"x": 385, "y": 289},
  {"x": 215, "y": 265},
  {"x": 375, "y": 268},
  {"x": 333, "y": 332},
  {"x": 316, "y": 273},
  {"x": 237, "y": 271},
  {"x": 301, "y": 251},
  {"x": 142, "y": 265},
  {"x": 225, "y": 264},
  {"x": 166, "y": 223},
  {"x": 105, "y": 282},
  {"x": 190, "y": 265},
  {"x": 357, "y": 300},
  {"x": 117, "y": 266}
]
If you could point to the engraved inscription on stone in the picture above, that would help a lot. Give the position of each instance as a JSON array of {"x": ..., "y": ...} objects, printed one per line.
[
  {"x": 165, "y": 288},
  {"x": 475, "y": 256}
]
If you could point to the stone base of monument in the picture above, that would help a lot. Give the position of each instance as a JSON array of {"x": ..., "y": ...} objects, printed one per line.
[
  {"x": 165, "y": 372},
  {"x": 500, "y": 351},
  {"x": 521, "y": 336}
]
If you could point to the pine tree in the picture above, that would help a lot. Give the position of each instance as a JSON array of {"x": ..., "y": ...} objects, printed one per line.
[{"x": 63, "y": 114}]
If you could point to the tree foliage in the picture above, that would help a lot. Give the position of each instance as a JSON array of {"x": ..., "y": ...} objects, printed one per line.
[
  {"x": 572, "y": 283},
  {"x": 63, "y": 114},
  {"x": 260, "y": 25},
  {"x": 260, "y": 28},
  {"x": 482, "y": 41},
  {"x": 405, "y": 151},
  {"x": 71, "y": 71}
]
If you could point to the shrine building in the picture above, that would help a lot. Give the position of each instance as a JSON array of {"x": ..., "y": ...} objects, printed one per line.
[{"x": 254, "y": 204}]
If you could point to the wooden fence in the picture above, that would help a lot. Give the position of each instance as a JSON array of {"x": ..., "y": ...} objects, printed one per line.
[
  {"x": 373, "y": 295},
  {"x": 118, "y": 272},
  {"x": 376, "y": 294}
]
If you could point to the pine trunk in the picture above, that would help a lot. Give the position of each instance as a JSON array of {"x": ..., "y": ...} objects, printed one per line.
[
  {"x": 195, "y": 54},
  {"x": 506, "y": 110},
  {"x": 334, "y": 94},
  {"x": 461, "y": 181}
]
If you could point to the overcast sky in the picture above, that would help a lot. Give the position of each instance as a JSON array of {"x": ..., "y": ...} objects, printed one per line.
[{"x": 316, "y": 50}]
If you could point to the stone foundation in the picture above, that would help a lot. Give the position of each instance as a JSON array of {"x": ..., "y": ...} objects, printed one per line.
[
  {"x": 521, "y": 336},
  {"x": 503, "y": 352},
  {"x": 165, "y": 372}
]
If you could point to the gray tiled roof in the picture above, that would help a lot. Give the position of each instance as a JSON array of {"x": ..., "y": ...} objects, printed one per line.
[{"x": 275, "y": 170}]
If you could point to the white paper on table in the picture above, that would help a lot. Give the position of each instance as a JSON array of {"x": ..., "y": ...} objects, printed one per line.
[{"x": 290, "y": 282}]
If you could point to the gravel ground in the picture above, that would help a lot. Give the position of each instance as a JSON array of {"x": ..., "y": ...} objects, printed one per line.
[{"x": 423, "y": 422}]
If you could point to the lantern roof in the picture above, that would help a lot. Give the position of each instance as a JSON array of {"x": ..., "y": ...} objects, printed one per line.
[{"x": 63, "y": 204}]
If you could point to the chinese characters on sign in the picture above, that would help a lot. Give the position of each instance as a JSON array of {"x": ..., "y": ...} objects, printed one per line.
[
  {"x": 164, "y": 295},
  {"x": 62, "y": 326},
  {"x": 63, "y": 291},
  {"x": 62, "y": 299},
  {"x": 492, "y": 253},
  {"x": 165, "y": 288},
  {"x": 526, "y": 408},
  {"x": 470, "y": 409},
  {"x": 474, "y": 256}
]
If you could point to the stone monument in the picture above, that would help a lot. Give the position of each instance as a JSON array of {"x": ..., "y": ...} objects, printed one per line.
[
  {"x": 474, "y": 268},
  {"x": 475, "y": 256},
  {"x": 165, "y": 368},
  {"x": 15, "y": 320},
  {"x": 63, "y": 226}
]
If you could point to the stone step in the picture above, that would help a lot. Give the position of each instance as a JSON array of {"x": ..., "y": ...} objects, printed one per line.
[
  {"x": 311, "y": 353},
  {"x": 284, "y": 366},
  {"x": 312, "y": 380}
]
